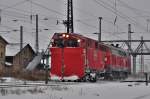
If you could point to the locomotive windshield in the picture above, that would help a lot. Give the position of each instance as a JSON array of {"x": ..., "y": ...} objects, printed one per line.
[{"x": 65, "y": 43}]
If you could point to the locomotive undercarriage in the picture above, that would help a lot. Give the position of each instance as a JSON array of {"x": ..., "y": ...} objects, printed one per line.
[
  {"x": 116, "y": 75},
  {"x": 111, "y": 74},
  {"x": 92, "y": 75}
]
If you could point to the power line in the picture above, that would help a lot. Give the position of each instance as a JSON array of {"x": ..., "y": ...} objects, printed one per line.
[
  {"x": 120, "y": 14},
  {"x": 17, "y": 15},
  {"x": 91, "y": 26},
  {"x": 134, "y": 10},
  {"x": 87, "y": 24},
  {"x": 112, "y": 23},
  {"x": 26, "y": 21},
  {"x": 44, "y": 7},
  {"x": 14, "y": 5},
  {"x": 92, "y": 15},
  {"x": 29, "y": 12},
  {"x": 110, "y": 8},
  {"x": 28, "y": 16},
  {"x": 8, "y": 13},
  {"x": 129, "y": 7},
  {"x": 17, "y": 11}
]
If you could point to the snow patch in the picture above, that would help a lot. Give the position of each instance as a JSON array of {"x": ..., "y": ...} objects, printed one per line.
[
  {"x": 74, "y": 77},
  {"x": 54, "y": 77}
]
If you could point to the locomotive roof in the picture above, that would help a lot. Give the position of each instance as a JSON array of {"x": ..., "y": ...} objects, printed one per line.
[
  {"x": 113, "y": 47},
  {"x": 56, "y": 35},
  {"x": 87, "y": 38}
]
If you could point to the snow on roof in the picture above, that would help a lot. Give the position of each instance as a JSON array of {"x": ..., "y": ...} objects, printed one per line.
[
  {"x": 13, "y": 49},
  {"x": 3, "y": 39}
]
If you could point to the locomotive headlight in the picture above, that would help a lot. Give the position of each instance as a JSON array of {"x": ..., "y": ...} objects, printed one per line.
[
  {"x": 67, "y": 36},
  {"x": 78, "y": 40},
  {"x": 63, "y": 35}
]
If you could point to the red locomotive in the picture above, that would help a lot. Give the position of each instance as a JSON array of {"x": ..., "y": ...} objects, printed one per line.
[{"x": 75, "y": 57}]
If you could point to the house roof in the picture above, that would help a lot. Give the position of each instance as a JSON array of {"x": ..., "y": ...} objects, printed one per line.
[
  {"x": 12, "y": 50},
  {"x": 3, "y": 39}
]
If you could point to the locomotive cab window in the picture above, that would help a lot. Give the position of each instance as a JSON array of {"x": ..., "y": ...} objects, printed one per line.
[
  {"x": 65, "y": 43},
  {"x": 71, "y": 43},
  {"x": 58, "y": 43}
]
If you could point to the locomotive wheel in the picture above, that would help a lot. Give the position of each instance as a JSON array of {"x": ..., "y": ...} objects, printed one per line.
[{"x": 93, "y": 77}]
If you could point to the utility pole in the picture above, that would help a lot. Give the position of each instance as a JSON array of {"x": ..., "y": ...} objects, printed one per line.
[
  {"x": 37, "y": 36},
  {"x": 129, "y": 47},
  {"x": 100, "y": 30},
  {"x": 134, "y": 64},
  {"x": 142, "y": 57},
  {"x": 21, "y": 37},
  {"x": 70, "y": 28},
  {"x": 148, "y": 20},
  {"x": 0, "y": 17},
  {"x": 129, "y": 35},
  {"x": 21, "y": 44}
]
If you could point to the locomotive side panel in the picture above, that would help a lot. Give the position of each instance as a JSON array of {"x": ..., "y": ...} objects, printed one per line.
[
  {"x": 95, "y": 56},
  {"x": 95, "y": 59}
]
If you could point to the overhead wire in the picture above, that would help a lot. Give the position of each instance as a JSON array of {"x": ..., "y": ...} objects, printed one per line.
[
  {"x": 22, "y": 20},
  {"x": 94, "y": 16},
  {"x": 59, "y": 13},
  {"x": 134, "y": 10},
  {"x": 120, "y": 14},
  {"x": 17, "y": 11},
  {"x": 89, "y": 25},
  {"x": 91, "y": 14},
  {"x": 8, "y": 14},
  {"x": 31, "y": 1},
  {"x": 11, "y": 6},
  {"x": 80, "y": 21},
  {"x": 115, "y": 34},
  {"x": 14, "y": 5},
  {"x": 49, "y": 9},
  {"x": 128, "y": 7}
]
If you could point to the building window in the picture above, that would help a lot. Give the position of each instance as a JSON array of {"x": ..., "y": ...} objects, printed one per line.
[{"x": 1, "y": 54}]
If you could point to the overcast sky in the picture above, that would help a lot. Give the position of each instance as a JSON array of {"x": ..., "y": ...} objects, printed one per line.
[{"x": 15, "y": 13}]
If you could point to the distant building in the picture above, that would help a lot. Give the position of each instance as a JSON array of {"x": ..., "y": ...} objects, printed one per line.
[
  {"x": 3, "y": 44},
  {"x": 19, "y": 59}
]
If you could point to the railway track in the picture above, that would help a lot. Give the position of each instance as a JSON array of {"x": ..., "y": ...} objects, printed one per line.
[
  {"x": 35, "y": 84},
  {"x": 55, "y": 83}
]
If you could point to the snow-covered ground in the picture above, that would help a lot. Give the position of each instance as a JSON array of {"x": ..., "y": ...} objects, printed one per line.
[{"x": 99, "y": 90}]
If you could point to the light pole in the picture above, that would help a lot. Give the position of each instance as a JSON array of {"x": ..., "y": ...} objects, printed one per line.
[
  {"x": 148, "y": 20},
  {"x": 100, "y": 34}
]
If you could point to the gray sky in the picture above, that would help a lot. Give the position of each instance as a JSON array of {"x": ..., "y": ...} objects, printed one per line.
[{"x": 86, "y": 13}]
